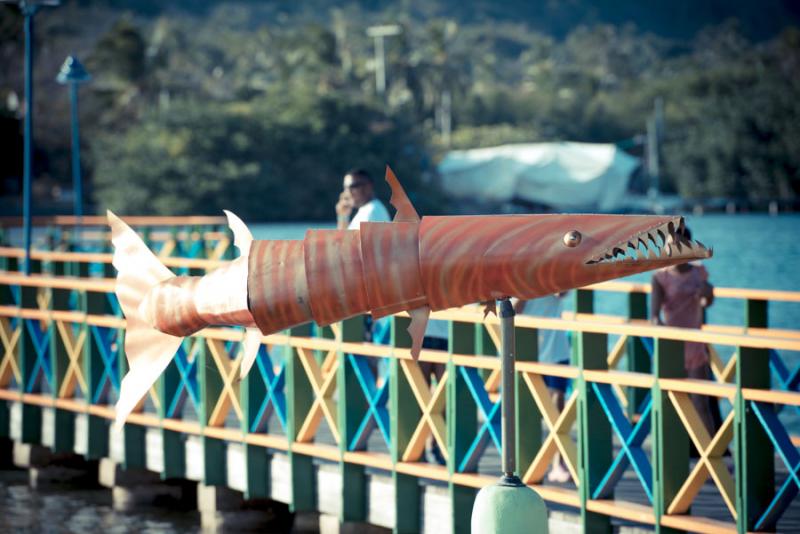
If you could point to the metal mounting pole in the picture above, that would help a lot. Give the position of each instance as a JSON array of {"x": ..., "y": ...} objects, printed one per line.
[{"x": 509, "y": 427}]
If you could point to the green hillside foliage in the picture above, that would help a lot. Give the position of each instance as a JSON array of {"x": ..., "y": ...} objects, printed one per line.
[{"x": 261, "y": 108}]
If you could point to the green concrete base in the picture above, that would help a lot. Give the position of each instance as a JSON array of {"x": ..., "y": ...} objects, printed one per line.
[{"x": 509, "y": 508}]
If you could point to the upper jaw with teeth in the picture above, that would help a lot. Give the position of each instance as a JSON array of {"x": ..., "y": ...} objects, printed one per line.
[{"x": 666, "y": 242}]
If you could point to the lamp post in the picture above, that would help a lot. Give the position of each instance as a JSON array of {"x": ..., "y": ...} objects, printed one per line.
[
  {"x": 28, "y": 9},
  {"x": 379, "y": 33},
  {"x": 73, "y": 73}
]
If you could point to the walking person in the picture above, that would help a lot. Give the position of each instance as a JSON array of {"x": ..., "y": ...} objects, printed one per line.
[{"x": 680, "y": 294}]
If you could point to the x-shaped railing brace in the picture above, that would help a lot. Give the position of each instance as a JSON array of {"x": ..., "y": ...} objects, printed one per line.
[
  {"x": 631, "y": 438},
  {"x": 559, "y": 425},
  {"x": 790, "y": 457},
  {"x": 274, "y": 397},
  {"x": 431, "y": 420},
  {"x": 490, "y": 429},
  {"x": 377, "y": 398},
  {"x": 710, "y": 464}
]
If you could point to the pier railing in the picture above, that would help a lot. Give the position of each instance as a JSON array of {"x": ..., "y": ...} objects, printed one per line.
[{"x": 319, "y": 404}]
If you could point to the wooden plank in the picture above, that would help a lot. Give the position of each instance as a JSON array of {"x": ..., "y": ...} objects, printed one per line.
[
  {"x": 697, "y": 524},
  {"x": 700, "y": 387},
  {"x": 620, "y": 378},
  {"x": 628, "y": 511}
]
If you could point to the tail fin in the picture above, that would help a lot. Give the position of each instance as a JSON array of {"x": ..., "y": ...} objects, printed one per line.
[{"x": 148, "y": 350}]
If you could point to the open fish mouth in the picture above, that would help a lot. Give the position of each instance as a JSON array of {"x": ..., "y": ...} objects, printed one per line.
[{"x": 666, "y": 242}]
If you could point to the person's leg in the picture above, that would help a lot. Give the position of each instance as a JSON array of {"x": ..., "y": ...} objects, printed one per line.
[
  {"x": 703, "y": 404},
  {"x": 557, "y": 387}
]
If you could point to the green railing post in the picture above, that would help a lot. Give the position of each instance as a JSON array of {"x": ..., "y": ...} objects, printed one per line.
[
  {"x": 64, "y": 431},
  {"x": 462, "y": 425},
  {"x": 6, "y": 299},
  {"x": 173, "y": 446},
  {"x": 755, "y": 455},
  {"x": 529, "y": 419},
  {"x": 405, "y": 414},
  {"x": 211, "y": 386},
  {"x": 31, "y": 414},
  {"x": 352, "y": 408},
  {"x": 670, "y": 440},
  {"x": 584, "y": 303},
  {"x": 299, "y": 398},
  {"x": 257, "y": 459},
  {"x": 638, "y": 359},
  {"x": 93, "y": 367},
  {"x": 594, "y": 430}
]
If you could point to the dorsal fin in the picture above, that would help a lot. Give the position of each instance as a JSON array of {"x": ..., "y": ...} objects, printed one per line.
[
  {"x": 405, "y": 210},
  {"x": 241, "y": 233}
]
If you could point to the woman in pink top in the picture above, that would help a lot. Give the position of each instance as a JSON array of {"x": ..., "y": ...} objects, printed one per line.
[{"x": 681, "y": 293}]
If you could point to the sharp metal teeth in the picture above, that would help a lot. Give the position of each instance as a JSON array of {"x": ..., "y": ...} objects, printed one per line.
[
  {"x": 663, "y": 237},
  {"x": 640, "y": 254},
  {"x": 667, "y": 251}
]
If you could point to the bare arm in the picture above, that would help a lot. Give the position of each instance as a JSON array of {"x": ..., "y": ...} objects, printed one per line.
[
  {"x": 707, "y": 295},
  {"x": 343, "y": 210}
]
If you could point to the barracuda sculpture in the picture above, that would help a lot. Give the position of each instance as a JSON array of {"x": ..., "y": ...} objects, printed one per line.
[{"x": 411, "y": 264}]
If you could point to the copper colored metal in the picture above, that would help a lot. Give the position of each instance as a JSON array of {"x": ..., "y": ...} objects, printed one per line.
[{"x": 412, "y": 264}]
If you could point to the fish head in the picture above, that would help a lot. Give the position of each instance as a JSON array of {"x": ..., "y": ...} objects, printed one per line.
[{"x": 571, "y": 251}]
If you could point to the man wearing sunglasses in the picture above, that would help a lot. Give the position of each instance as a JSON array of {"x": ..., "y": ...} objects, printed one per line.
[{"x": 358, "y": 192}]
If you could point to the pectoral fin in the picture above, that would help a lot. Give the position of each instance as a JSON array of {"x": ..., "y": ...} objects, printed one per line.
[
  {"x": 250, "y": 345},
  {"x": 419, "y": 322},
  {"x": 489, "y": 306}
]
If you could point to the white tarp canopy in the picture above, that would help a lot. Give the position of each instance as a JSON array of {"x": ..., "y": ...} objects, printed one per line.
[{"x": 565, "y": 176}]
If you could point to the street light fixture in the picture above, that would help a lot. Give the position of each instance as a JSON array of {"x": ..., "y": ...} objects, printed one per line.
[
  {"x": 28, "y": 9},
  {"x": 379, "y": 33},
  {"x": 73, "y": 73}
]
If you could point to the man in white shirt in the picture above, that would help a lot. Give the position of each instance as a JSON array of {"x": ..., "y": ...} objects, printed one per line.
[{"x": 359, "y": 193}]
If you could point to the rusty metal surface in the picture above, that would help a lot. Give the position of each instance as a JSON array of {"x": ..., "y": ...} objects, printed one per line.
[
  {"x": 390, "y": 253},
  {"x": 277, "y": 286},
  {"x": 477, "y": 258},
  {"x": 335, "y": 274}
]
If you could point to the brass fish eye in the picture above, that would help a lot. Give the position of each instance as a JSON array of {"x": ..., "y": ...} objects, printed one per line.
[{"x": 572, "y": 238}]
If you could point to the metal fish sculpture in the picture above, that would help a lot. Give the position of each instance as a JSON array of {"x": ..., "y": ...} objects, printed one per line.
[{"x": 411, "y": 264}]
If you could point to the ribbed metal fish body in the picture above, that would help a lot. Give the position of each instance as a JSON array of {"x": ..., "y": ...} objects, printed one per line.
[
  {"x": 170, "y": 306},
  {"x": 334, "y": 274},
  {"x": 467, "y": 259},
  {"x": 277, "y": 288}
]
